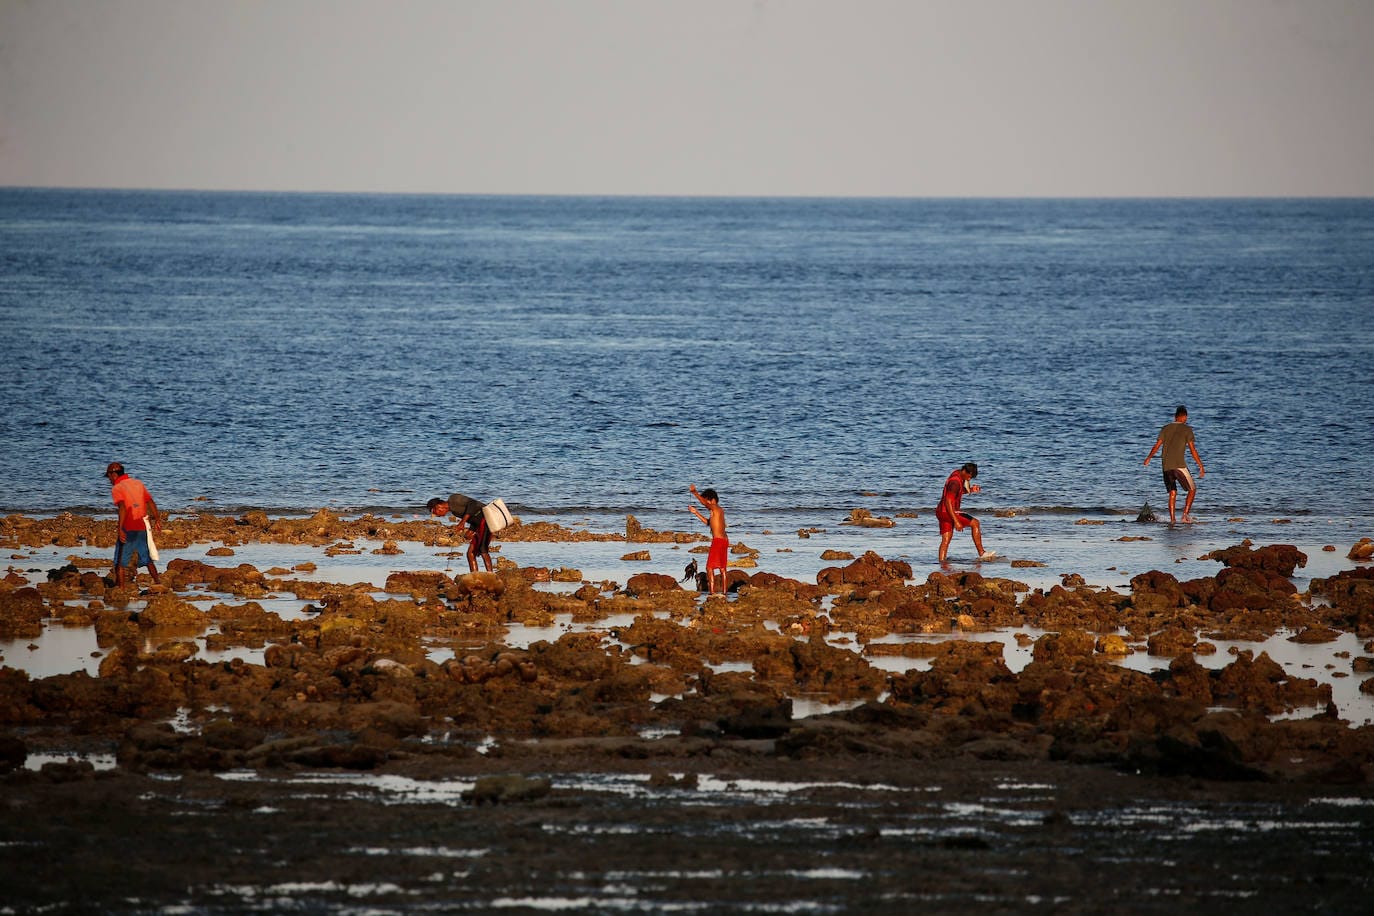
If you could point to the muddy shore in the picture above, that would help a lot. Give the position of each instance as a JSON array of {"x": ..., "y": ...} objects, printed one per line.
[{"x": 597, "y": 767}]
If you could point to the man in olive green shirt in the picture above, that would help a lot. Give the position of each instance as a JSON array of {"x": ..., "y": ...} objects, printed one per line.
[
  {"x": 1177, "y": 440},
  {"x": 468, "y": 511}
]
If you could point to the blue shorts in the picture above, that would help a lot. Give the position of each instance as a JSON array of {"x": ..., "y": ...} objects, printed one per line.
[{"x": 133, "y": 550}]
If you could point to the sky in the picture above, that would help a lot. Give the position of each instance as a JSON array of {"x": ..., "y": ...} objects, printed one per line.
[{"x": 965, "y": 98}]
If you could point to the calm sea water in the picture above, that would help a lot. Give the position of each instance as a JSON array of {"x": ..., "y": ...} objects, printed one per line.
[{"x": 593, "y": 356}]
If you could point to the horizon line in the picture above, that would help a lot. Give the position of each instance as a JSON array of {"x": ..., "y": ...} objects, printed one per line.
[{"x": 668, "y": 195}]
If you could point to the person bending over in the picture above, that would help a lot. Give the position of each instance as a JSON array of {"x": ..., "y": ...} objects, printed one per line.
[
  {"x": 952, "y": 518},
  {"x": 468, "y": 511}
]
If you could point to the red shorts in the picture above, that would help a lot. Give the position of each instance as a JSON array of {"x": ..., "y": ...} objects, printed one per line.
[
  {"x": 947, "y": 522},
  {"x": 719, "y": 557},
  {"x": 481, "y": 537}
]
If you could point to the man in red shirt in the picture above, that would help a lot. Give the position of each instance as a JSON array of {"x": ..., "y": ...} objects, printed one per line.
[
  {"x": 952, "y": 519},
  {"x": 135, "y": 505}
]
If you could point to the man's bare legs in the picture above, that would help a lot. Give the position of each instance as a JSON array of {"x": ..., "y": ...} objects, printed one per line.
[
  {"x": 1188, "y": 505},
  {"x": 977, "y": 536},
  {"x": 711, "y": 577},
  {"x": 1173, "y": 497},
  {"x": 975, "y": 529},
  {"x": 119, "y": 573}
]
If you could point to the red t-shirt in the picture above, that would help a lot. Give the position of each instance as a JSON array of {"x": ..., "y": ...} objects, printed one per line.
[
  {"x": 133, "y": 495},
  {"x": 954, "y": 493}
]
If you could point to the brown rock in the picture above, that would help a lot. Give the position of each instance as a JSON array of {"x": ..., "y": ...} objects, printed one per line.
[
  {"x": 642, "y": 584},
  {"x": 1315, "y": 635},
  {"x": 1283, "y": 559},
  {"x": 1171, "y": 641},
  {"x": 965, "y": 678},
  {"x": 1113, "y": 645},
  {"x": 507, "y": 789},
  {"x": 174, "y": 652},
  {"x": 1066, "y": 645},
  {"x": 119, "y": 661},
  {"x": 637, "y": 533},
  {"x": 1156, "y": 591},
  {"x": 413, "y": 582},
  {"x": 171, "y": 611},
  {"x": 865, "y": 519},
  {"x": 869, "y": 569},
  {"x": 1351, "y": 595},
  {"x": 13, "y": 753},
  {"x": 21, "y": 613},
  {"x": 479, "y": 583}
]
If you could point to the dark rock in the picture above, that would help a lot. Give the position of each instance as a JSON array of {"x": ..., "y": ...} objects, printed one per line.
[
  {"x": 13, "y": 753},
  {"x": 507, "y": 789},
  {"x": 642, "y": 584}
]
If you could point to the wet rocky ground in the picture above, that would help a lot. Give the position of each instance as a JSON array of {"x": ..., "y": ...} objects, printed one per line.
[
  {"x": 656, "y": 763},
  {"x": 729, "y": 829}
]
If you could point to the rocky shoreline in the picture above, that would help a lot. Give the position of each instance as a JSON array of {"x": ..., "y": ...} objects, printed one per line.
[{"x": 352, "y": 687}]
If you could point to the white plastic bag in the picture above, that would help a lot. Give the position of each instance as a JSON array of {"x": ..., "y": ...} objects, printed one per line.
[
  {"x": 152, "y": 548},
  {"x": 497, "y": 515}
]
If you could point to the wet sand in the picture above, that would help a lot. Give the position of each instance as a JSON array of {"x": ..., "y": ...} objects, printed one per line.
[
  {"x": 375, "y": 733},
  {"x": 738, "y": 830}
]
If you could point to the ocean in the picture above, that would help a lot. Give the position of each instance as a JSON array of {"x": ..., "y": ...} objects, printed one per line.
[{"x": 586, "y": 357}]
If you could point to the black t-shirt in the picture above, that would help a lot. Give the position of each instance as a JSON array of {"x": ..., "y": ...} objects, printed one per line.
[{"x": 460, "y": 505}]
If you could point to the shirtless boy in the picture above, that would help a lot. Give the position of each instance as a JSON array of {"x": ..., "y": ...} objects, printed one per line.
[{"x": 719, "y": 557}]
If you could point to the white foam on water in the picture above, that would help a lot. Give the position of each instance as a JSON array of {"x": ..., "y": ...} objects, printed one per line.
[
  {"x": 394, "y": 789},
  {"x": 654, "y": 732},
  {"x": 804, "y": 707},
  {"x": 98, "y": 761},
  {"x": 714, "y": 874},
  {"x": 181, "y": 722},
  {"x": 438, "y": 852},
  {"x": 298, "y": 888},
  {"x": 1344, "y": 802},
  {"x": 1249, "y": 825},
  {"x": 828, "y": 874},
  {"x": 736, "y": 786},
  {"x": 560, "y": 904}
]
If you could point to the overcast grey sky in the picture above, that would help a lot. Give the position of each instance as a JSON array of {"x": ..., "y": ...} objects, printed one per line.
[{"x": 721, "y": 97}]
